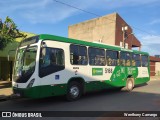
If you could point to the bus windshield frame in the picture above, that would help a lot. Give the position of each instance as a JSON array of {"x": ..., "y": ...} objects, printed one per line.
[
  {"x": 25, "y": 60},
  {"x": 25, "y": 64}
]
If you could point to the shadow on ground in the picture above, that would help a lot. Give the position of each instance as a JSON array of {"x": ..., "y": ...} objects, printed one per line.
[{"x": 91, "y": 104}]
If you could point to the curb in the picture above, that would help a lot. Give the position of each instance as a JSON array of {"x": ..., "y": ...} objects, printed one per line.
[{"x": 154, "y": 78}]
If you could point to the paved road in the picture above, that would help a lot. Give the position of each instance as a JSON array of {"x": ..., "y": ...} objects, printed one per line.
[{"x": 142, "y": 98}]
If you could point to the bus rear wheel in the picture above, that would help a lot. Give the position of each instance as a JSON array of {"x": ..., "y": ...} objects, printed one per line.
[
  {"x": 129, "y": 84},
  {"x": 74, "y": 91}
]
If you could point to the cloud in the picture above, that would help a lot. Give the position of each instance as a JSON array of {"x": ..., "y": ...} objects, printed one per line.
[
  {"x": 49, "y": 11},
  {"x": 112, "y": 4},
  {"x": 156, "y": 21},
  {"x": 44, "y": 11},
  {"x": 150, "y": 43}
]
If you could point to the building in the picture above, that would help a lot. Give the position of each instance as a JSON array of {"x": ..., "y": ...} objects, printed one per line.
[
  {"x": 106, "y": 29},
  {"x": 6, "y": 66},
  {"x": 110, "y": 29},
  {"x": 154, "y": 66},
  {"x": 157, "y": 56}
]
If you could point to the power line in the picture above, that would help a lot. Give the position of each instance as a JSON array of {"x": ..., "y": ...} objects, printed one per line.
[
  {"x": 144, "y": 31},
  {"x": 87, "y": 13},
  {"x": 77, "y": 8},
  {"x": 66, "y": 4},
  {"x": 81, "y": 9}
]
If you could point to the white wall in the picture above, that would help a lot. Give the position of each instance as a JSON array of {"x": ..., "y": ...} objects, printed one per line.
[{"x": 157, "y": 68}]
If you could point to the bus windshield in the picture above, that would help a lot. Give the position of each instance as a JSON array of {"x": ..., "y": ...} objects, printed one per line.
[{"x": 25, "y": 63}]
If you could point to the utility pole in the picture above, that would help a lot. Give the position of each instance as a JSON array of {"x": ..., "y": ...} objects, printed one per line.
[{"x": 124, "y": 29}]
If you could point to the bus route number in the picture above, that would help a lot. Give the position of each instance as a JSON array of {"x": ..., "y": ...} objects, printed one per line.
[{"x": 108, "y": 70}]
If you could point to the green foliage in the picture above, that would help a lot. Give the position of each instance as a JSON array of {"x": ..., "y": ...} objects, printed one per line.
[{"x": 8, "y": 32}]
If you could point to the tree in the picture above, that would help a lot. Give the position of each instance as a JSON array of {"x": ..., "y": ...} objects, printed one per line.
[{"x": 8, "y": 32}]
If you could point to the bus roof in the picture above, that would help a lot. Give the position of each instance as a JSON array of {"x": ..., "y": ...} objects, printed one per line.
[{"x": 81, "y": 42}]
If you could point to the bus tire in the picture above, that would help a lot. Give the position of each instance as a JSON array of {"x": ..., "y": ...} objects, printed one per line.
[
  {"x": 74, "y": 91},
  {"x": 129, "y": 84}
]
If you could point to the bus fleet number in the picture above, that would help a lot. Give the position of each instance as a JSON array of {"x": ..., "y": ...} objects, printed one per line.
[{"x": 108, "y": 70}]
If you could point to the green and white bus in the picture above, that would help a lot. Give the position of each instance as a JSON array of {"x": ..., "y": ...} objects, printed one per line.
[{"x": 48, "y": 65}]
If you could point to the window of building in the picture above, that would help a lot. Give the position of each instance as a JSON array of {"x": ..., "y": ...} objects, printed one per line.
[
  {"x": 78, "y": 55},
  {"x": 51, "y": 61},
  {"x": 144, "y": 59},
  {"x": 112, "y": 58},
  {"x": 96, "y": 56},
  {"x": 136, "y": 60},
  {"x": 125, "y": 59}
]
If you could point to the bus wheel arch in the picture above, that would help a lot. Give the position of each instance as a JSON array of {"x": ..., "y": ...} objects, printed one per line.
[{"x": 75, "y": 88}]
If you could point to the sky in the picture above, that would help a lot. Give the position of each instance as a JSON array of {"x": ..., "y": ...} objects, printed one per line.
[{"x": 51, "y": 17}]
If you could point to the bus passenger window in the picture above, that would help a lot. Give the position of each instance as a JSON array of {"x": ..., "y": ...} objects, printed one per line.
[
  {"x": 125, "y": 58},
  {"x": 109, "y": 61},
  {"x": 128, "y": 59},
  {"x": 78, "y": 55},
  {"x": 133, "y": 63},
  {"x": 96, "y": 56},
  {"x": 136, "y": 60},
  {"x": 112, "y": 58},
  {"x": 128, "y": 63},
  {"x": 123, "y": 62},
  {"x": 144, "y": 59}
]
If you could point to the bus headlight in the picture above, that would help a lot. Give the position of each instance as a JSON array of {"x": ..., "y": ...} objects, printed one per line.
[{"x": 30, "y": 83}]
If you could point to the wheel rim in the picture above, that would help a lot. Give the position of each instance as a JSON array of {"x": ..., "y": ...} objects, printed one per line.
[
  {"x": 130, "y": 85},
  {"x": 74, "y": 91}
]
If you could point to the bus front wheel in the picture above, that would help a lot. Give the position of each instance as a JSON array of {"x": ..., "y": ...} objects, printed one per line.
[{"x": 74, "y": 91}]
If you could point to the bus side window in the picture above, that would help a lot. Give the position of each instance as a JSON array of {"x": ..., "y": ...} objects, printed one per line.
[
  {"x": 53, "y": 61},
  {"x": 71, "y": 58},
  {"x": 128, "y": 59},
  {"x": 136, "y": 60},
  {"x": 44, "y": 57},
  {"x": 83, "y": 60},
  {"x": 78, "y": 55},
  {"x": 96, "y": 56},
  {"x": 109, "y": 61},
  {"x": 144, "y": 61},
  {"x": 53, "y": 57},
  {"x": 112, "y": 57},
  {"x": 125, "y": 58},
  {"x": 123, "y": 62},
  {"x": 133, "y": 63},
  {"x": 128, "y": 63},
  {"x": 118, "y": 62},
  {"x": 75, "y": 59}
]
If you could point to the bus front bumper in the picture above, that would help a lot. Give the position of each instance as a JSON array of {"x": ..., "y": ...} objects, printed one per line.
[{"x": 26, "y": 92}]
